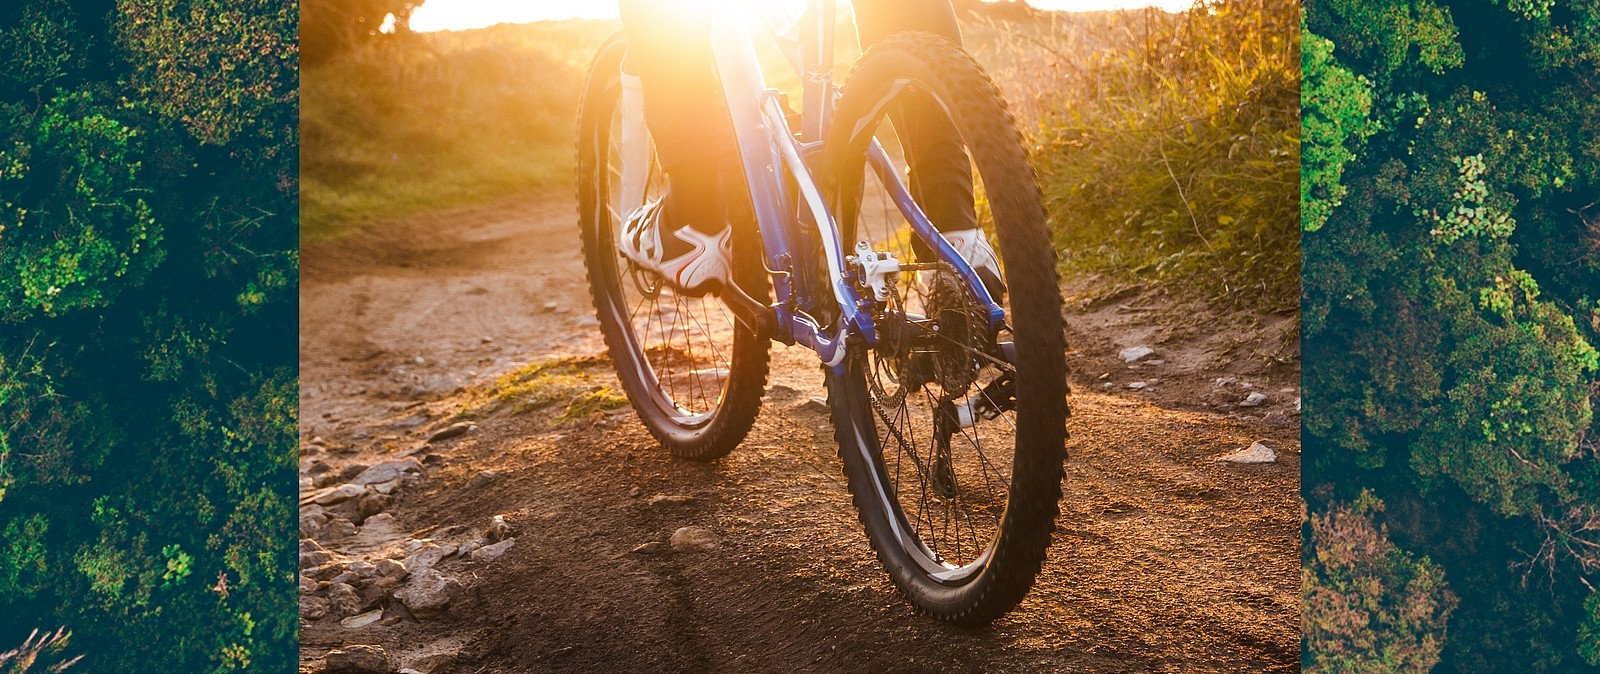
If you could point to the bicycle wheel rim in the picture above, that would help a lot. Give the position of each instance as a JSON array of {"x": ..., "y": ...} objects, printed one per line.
[{"x": 949, "y": 531}]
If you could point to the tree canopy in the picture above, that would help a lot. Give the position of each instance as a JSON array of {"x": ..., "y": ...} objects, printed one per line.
[{"x": 1452, "y": 272}]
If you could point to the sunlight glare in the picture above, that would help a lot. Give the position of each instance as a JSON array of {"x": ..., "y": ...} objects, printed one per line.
[{"x": 468, "y": 14}]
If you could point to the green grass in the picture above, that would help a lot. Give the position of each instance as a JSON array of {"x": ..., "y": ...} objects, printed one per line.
[
  {"x": 422, "y": 122},
  {"x": 547, "y": 383}
]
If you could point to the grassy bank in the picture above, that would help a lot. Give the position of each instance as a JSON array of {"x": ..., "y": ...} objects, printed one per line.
[
  {"x": 435, "y": 120},
  {"x": 1167, "y": 144}
]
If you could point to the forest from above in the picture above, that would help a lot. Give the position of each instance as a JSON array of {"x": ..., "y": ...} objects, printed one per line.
[
  {"x": 148, "y": 291},
  {"x": 1451, "y": 300}
]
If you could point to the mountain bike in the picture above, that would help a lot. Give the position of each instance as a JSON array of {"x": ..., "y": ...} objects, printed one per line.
[{"x": 948, "y": 404}]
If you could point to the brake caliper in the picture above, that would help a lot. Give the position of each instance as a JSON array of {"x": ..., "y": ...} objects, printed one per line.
[{"x": 879, "y": 270}]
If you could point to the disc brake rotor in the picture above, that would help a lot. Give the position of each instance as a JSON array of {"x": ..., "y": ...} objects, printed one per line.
[{"x": 938, "y": 349}]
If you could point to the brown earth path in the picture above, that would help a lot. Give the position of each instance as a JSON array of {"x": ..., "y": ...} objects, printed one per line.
[{"x": 1165, "y": 560}]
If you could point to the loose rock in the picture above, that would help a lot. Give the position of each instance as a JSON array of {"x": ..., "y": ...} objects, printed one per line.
[
  {"x": 451, "y": 431},
  {"x": 359, "y": 659},
  {"x": 663, "y": 499},
  {"x": 411, "y": 422},
  {"x": 428, "y": 593},
  {"x": 325, "y": 571},
  {"x": 1254, "y": 399},
  {"x": 387, "y": 488},
  {"x": 337, "y": 528},
  {"x": 315, "y": 558},
  {"x": 499, "y": 530},
  {"x": 313, "y": 607},
  {"x": 388, "y": 568},
  {"x": 489, "y": 553},
  {"x": 313, "y": 517},
  {"x": 372, "y": 504},
  {"x": 340, "y": 494},
  {"x": 344, "y": 598},
  {"x": 426, "y": 556},
  {"x": 694, "y": 539},
  {"x": 814, "y": 405},
  {"x": 351, "y": 471},
  {"x": 377, "y": 530},
  {"x": 1137, "y": 385},
  {"x": 359, "y": 621},
  {"x": 483, "y": 478},
  {"x": 650, "y": 548},
  {"x": 387, "y": 471},
  {"x": 1134, "y": 353},
  {"x": 434, "y": 663},
  {"x": 1255, "y": 453}
]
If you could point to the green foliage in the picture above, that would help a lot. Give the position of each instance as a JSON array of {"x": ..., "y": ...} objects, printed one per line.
[
  {"x": 76, "y": 227},
  {"x": 1389, "y": 37},
  {"x": 148, "y": 270},
  {"x": 1335, "y": 106},
  {"x": 1589, "y": 631},
  {"x": 26, "y": 571},
  {"x": 215, "y": 66},
  {"x": 1167, "y": 145},
  {"x": 1449, "y": 309},
  {"x": 1370, "y": 606},
  {"x": 42, "y": 48}
]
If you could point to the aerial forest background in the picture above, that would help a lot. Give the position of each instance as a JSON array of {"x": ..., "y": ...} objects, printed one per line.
[
  {"x": 148, "y": 289},
  {"x": 1451, "y": 206}
]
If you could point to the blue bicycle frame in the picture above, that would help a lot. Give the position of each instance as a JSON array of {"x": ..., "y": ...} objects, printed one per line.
[{"x": 770, "y": 152}]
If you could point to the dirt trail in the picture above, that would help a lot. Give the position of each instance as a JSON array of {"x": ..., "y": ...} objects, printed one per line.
[{"x": 1165, "y": 560}]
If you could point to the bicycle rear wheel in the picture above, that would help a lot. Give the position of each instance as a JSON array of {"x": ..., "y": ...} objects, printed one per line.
[
  {"x": 959, "y": 508},
  {"x": 693, "y": 374}
]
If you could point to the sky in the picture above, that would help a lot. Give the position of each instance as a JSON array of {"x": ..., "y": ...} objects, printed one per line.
[{"x": 466, "y": 14}]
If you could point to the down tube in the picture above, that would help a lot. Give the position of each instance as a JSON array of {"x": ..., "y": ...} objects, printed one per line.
[{"x": 742, "y": 85}]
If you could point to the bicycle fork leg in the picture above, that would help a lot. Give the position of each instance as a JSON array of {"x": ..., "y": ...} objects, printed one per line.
[{"x": 635, "y": 149}]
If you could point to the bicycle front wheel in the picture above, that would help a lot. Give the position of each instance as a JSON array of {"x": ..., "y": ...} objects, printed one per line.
[
  {"x": 959, "y": 505},
  {"x": 692, "y": 373}
]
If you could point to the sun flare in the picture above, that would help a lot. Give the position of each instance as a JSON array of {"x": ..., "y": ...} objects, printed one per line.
[{"x": 436, "y": 15}]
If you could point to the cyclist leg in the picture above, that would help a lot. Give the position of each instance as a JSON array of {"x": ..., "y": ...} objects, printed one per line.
[
  {"x": 669, "y": 50},
  {"x": 941, "y": 173},
  {"x": 941, "y": 176}
]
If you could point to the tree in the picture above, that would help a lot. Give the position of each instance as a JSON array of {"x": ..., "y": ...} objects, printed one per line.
[{"x": 1370, "y": 606}]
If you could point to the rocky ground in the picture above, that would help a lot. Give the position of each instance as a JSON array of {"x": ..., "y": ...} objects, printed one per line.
[{"x": 447, "y": 526}]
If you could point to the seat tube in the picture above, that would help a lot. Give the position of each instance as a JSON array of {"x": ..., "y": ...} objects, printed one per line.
[
  {"x": 739, "y": 71},
  {"x": 816, "y": 57}
]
